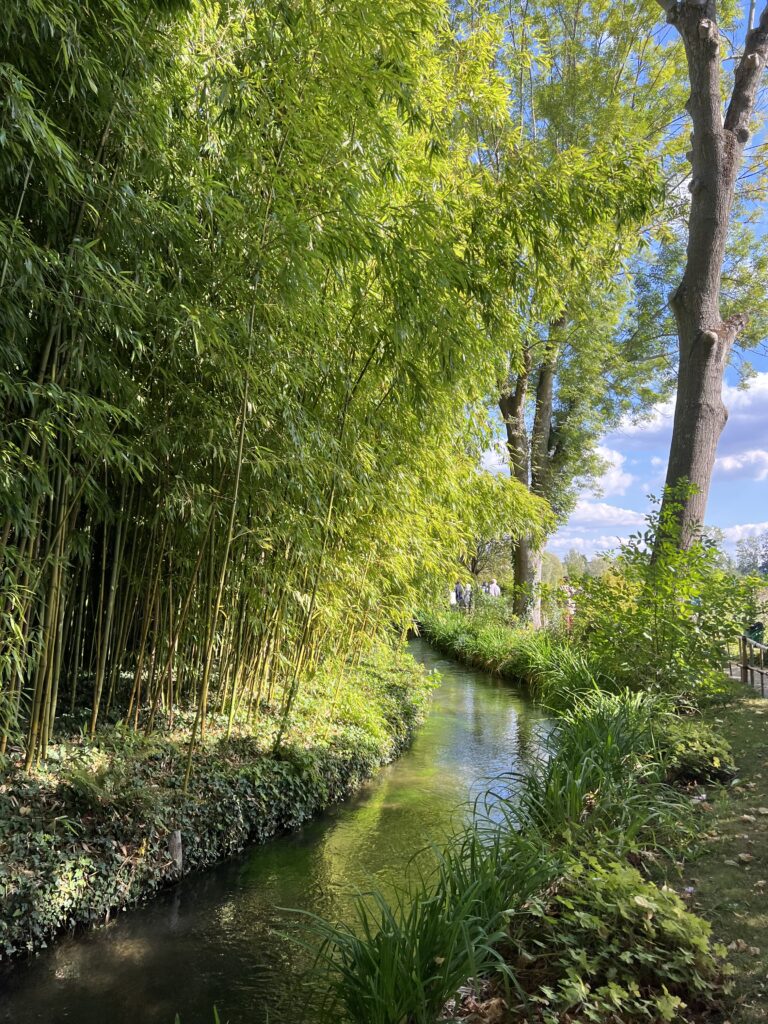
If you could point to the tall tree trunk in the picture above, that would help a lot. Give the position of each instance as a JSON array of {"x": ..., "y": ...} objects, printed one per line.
[
  {"x": 512, "y": 408},
  {"x": 541, "y": 434},
  {"x": 705, "y": 339},
  {"x": 529, "y": 459},
  {"x": 530, "y": 557},
  {"x": 528, "y": 562}
]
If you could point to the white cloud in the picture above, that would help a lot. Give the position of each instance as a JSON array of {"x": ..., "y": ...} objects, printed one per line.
[
  {"x": 748, "y": 398},
  {"x": 615, "y": 480},
  {"x": 747, "y": 422},
  {"x": 495, "y": 460},
  {"x": 599, "y": 514},
  {"x": 563, "y": 542},
  {"x": 748, "y": 465},
  {"x": 742, "y": 530},
  {"x": 588, "y": 529},
  {"x": 639, "y": 433}
]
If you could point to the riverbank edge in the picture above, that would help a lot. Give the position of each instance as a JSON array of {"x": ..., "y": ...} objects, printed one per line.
[
  {"x": 87, "y": 855},
  {"x": 721, "y": 877},
  {"x": 495, "y": 666}
]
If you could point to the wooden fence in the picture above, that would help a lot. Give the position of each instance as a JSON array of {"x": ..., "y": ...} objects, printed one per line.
[{"x": 751, "y": 664}]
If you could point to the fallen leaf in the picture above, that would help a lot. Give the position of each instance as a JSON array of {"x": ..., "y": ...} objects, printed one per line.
[
  {"x": 745, "y": 858},
  {"x": 732, "y": 863},
  {"x": 492, "y": 1011},
  {"x": 747, "y": 817}
]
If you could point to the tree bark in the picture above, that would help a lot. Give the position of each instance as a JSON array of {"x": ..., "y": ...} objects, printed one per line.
[
  {"x": 512, "y": 407},
  {"x": 541, "y": 434},
  {"x": 528, "y": 561},
  {"x": 705, "y": 340}
]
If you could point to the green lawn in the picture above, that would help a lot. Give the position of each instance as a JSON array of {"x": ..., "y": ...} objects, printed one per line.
[{"x": 728, "y": 881}]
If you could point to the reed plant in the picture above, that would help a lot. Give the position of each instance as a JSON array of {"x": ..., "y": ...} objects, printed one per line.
[
  {"x": 404, "y": 959},
  {"x": 602, "y": 779}
]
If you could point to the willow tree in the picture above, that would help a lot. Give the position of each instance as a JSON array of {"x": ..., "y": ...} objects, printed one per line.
[{"x": 720, "y": 135}]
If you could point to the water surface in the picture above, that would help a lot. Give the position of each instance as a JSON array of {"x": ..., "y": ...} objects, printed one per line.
[{"x": 218, "y": 938}]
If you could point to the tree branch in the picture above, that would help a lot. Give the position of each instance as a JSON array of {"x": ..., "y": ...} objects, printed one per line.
[{"x": 747, "y": 80}]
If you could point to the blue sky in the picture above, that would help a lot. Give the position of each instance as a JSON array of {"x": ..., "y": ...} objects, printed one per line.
[{"x": 738, "y": 501}]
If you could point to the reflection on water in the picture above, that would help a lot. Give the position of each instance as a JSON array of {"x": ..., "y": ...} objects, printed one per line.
[{"x": 219, "y": 937}]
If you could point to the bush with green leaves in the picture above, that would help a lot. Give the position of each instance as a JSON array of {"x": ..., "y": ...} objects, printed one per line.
[
  {"x": 694, "y": 751},
  {"x": 605, "y": 944},
  {"x": 664, "y": 620},
  {"x": 90, "y": 833}
]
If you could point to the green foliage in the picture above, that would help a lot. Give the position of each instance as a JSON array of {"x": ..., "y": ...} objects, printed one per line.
[
  {"x": 601, "y": 779},
  {"x": 664, "y": 622},
  {"x": 604, "y": 944},
  {"x": 583, "y": 76},
  {"x": 694, "y": 751},
  {"x": 90, "y": 833},
  {"x": 752, "y": 555},
  {"x": 250, "y": 271},
  {"x": 402, "y": 962},
  {"x": 554, "y": 670}
]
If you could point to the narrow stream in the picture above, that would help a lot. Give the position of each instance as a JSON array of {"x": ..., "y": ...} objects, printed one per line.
[{"x": 217, "y": 938}]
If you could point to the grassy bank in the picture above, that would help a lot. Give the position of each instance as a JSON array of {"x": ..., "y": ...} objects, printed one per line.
[
  {"x": 549, "y": 665},
  {"x": 93, "y": 831},
  {"x": 728, "y": 881}
]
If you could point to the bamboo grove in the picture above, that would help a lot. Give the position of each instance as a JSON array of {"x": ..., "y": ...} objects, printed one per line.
[{"x": 256, "y": 280}]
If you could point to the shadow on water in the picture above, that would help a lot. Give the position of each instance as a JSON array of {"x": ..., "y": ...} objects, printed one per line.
[{"x": 219, "y": 937}]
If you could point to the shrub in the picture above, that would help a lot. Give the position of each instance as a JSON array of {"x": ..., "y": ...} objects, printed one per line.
[
  {"x": 604, "y": 944},
  {"x": 664, "y": 622},
  {"x": 90, "y": 832},
  {"x": 694, "y": 752}
]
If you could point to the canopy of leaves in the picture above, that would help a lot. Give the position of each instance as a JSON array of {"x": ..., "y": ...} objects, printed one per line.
[{"x": 252, "y": 281}]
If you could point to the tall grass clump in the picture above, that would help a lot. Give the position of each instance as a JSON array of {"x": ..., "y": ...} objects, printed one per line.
[
  {"x": 402, "y": 961},
  {"x": 602, "y": 778},
  {"x": 552, "y": 667}
]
